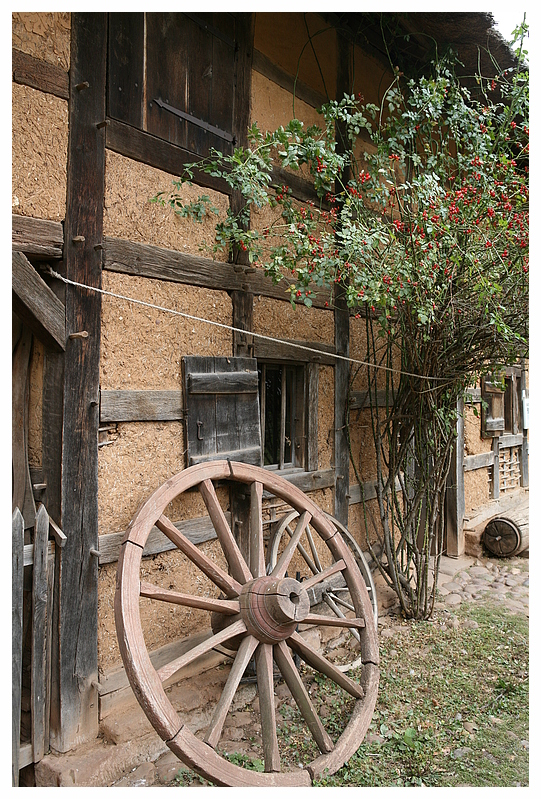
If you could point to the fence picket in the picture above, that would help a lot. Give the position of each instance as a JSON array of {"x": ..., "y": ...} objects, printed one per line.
[
  {"x": 17, "y": 531},
  {"x": 39, "y": 634}
]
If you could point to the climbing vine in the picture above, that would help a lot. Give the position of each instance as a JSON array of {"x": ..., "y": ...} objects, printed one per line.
[{"x": 423, "y": 223}]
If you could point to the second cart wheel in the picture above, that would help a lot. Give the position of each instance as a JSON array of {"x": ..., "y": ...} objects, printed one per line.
[
  {"x": 333, "y": 591},
  {"x": 254, "y": 614}
]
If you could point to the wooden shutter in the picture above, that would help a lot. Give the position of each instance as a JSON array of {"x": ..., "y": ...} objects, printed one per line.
[
  {"x": 190, "y": 66},
  {"x": 173, "y": 75},
  {"x": 492, "y": 408},
  {"x": 221, "y": 402}
]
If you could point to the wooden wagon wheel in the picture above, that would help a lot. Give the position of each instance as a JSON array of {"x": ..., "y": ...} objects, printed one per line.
[
  {"x": 333, "y": 592},
  {"x": 255, "y": 613}
]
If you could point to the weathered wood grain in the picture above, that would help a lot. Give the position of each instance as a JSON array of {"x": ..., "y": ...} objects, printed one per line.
[
  {"x": 454, "y": 498},
  {"x": 479, "y": 461},
  {"x": 511, "y": 440},
  {"x": 38, "y": 74},
  {"x": 222, "y": 409},
  {"x": 154, "y": 151},
  {"x": 75, "y": 716},
  {"x": 294, "y": 350},
  {"x": 524, "y": 453},
  {"x": 243, "y": 656},
  {"x": 265, "y": 687},
  {"x": 147, "y": 260},
  {"x": 125, "y": 62},
  {"x": 140, "y": 405},
  {"x": 495, "y": 484},
  {"x": 22, "y": 494},
  {"x": 36, "y": 305},
  {"x": 38, "y": 238},
  {"x": 296, "y": 686},
  {"x": 53, "y": 399},
  {"x": 344, "y": 83},
  {"x": 145, "y": 680},
  {"x": 196, "y": 530},
  {"x": 243, "y": 319},
  {"x": 219, "y": 577},
  {"x": 222, "y": 383},
  {"x": 312, "y": 410},
  {"x": 17, "y": 572},
  {"x": 40, "y": 626},
  {"x": 236, "y": 563},
  {"x": 114, "y": 687},
  {"x": 300, "y": 188}
]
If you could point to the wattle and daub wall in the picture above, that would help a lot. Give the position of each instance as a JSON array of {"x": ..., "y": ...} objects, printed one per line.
[{"x": 142, "y": 347}]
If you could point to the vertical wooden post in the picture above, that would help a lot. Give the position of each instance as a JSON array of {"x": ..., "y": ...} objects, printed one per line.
[
  {"x": 39, "y": 682},
  {"x": 344, "y": 83},
  {"x": 524, "y": 450},
  {"x": 74, "y": 707},
  {"x": 243, "y": 315},
  {"x": 23, "y": 497},
  {"x": 495, "y": 492},
  {"x": 454, "y": 497},
  {"x": 312, "y": 380},
  {"x": 17, "y": 571},
  {"x": 243, "y": 301}
]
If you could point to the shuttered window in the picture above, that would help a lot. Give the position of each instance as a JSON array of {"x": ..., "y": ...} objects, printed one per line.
[
  {"x": 173, "y": 76},
  {"x": 260, "y": 413},
  {"x": 221, "y": 403},
  {"x": 501, "y": 408}
]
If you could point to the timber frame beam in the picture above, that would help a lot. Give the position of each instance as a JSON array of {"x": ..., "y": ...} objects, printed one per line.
[
  {"x": 344, "y": 80},
  {"x": 36, "y": 304},
  {"x": 75, "y": 659}
]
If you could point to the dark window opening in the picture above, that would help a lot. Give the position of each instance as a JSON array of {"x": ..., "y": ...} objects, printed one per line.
[{"x": 281, "y": 396}]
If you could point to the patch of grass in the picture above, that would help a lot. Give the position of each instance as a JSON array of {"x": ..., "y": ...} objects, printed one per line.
[
  {"x": 250, "y": 763},
  {"x": 185, "y": 777},
  {"x": 452, "y": 708}
]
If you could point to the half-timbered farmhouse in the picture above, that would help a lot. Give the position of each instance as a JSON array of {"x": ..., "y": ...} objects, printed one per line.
[{"x": 115, "y": 391}]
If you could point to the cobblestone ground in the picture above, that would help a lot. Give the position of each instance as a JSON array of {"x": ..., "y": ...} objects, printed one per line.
[{"x": 466, "y": 579}]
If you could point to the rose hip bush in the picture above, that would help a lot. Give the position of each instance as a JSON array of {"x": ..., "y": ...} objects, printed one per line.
[{"x": 426, "y": 233}]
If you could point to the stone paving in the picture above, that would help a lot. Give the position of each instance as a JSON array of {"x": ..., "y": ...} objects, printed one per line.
[
  {"x": 506, "y": 581},
  {"x": 466, "y": 579}
]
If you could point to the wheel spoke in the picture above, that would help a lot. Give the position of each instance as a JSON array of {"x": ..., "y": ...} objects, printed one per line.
[
  {"x": 237, "y": 564},
  {"x": 285, "y": 558},
  {"x": 219, "y": 577},
  {"x": 245, "y": 652},
  {"x": 237, "y": 628},
  {"x": 334, "y": 598},
  {"x": 313, "y": 549},
  {"x": 334, "y": 607},
  {"x": 299, "y": 693},
  {"x": 338, "y": 566},
  {"x": 257, "y": 544},
  {"x": 229, "y": 607},
  {"x": 333, "y": 621},
  {"x": 309, "y": 562},
  {"x": 318, "y": 662},
  {"x": 265, "y": 685}
]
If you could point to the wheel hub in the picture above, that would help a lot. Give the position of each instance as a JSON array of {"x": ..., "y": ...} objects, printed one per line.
[{"x": 271, "y": 608}]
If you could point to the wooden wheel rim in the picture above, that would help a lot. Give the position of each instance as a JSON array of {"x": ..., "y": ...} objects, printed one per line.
[{"x": 146, "y": 682}]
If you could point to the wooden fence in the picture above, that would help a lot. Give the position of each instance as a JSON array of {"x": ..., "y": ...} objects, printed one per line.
[{"x": 33, "y": 572}]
